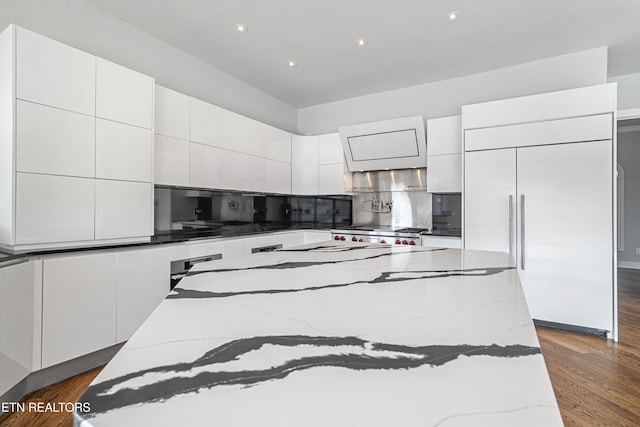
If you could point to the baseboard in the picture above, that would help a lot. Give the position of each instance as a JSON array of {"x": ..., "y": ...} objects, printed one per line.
[{"x": 629, "y": 264}]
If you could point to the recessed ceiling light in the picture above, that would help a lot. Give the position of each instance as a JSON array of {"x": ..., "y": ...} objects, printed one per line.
[
  {"x": 292, "y": 63},
  {"x": 242, "y": 28},
  {"x": 453, "y": 16},
  {"x": 361, "y": 42}
]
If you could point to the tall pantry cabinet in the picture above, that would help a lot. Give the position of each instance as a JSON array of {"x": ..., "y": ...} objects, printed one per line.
[
  {"x": 539, "y": 180},
  {"x": 76, "y": 147}
]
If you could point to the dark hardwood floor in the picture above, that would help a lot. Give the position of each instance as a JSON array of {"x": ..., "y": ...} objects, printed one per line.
[{"x": 596, "y": 381}]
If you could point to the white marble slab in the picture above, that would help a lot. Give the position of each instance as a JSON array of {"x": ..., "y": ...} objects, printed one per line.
[{"x": 334, "y": 334}]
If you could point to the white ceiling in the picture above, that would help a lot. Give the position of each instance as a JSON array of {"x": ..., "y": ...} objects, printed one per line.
[{"x": 409, "y": 41}]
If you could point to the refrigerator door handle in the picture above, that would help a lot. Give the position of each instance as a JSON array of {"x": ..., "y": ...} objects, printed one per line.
[
  {"x": 510, "y": 224},
  {"x": 522, "y": 234}
]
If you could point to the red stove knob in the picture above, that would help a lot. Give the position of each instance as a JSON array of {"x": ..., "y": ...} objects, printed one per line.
[
  {"x": 336, "y": 238},
  {"x": 382, "y": 242},
  {"x": 404, "y": 242},
  {"x": 412, "y": 243},
  {"x": 354, "y": 239},
  {"x": 397, "y": 241},
  {"x": 361, "y": 240},
  {"x": 342, "y": 238}
]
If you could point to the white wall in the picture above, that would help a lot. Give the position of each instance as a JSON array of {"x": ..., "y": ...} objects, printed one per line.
[
  {"x": 445, "y": 98},
  {"x": 629, "y": 159},
  {"x": 628, "y": 91},
  {"x": 82, "y": 25}
]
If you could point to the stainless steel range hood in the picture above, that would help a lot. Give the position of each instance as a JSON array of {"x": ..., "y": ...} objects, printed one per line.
[{"x": 389, "y": 144}]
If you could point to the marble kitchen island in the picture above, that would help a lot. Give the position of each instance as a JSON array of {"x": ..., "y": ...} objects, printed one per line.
[{"x": 334, "y": 334}]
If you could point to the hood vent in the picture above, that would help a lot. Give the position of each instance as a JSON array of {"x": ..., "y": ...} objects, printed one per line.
[{"x": 389, "y": 144}]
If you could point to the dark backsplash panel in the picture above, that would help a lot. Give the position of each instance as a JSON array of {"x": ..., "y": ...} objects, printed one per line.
[
  {"x": 198, "y": 212},
  {"x": 447, "y": 213}
]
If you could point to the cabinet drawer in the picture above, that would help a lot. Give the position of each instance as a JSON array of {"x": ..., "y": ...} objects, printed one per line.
[
  {"x": 123, "y": 95},
  {"x": 53, "y": 208},
  {"x": 54, "y": 141},
  {"x": 123, "y": 151},
  {"x": 442, "y": 242},
  {"x": 123, "y": 209},
  {"x": 51, "y": 73}
]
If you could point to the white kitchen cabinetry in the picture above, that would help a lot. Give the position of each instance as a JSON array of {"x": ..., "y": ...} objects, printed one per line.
[
  {"x": 536, "y": 192},
  {"x": 51, "y": 73},
  {"x": 52, "y": 209},
  {"x": 333, "y": 177},
  {"x": 54, "y": 141},
  {"x": 142, "y": 283},
  {"x": 444, "y": 155},
  {"x": 123, "y": 209},
  {"x": 278, "y": 177},
  {"x": 207, "y": 123},
  {"x": 171, "y": 161},
  {"x": 112, "y": 140},
  {"x": 78, "y": 306},
  {"x": 442, "y": 242},
  {"x": 206, "y": 166},
  {"x": 123, "y": 95},
  {"x": 172, "y": 114},
  {"x": 304, "y": 165},
  {"x": 237, "y": 132},
  {"x": 20, "y": 322},
  {"x": 71, "y": 118}
]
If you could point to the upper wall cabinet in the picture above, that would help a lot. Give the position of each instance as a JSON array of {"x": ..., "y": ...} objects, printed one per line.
[
  {"x": 304, "y": 165},
  {"x": 54, "y": 74},
  {"x": 333, "y": 176},
  {"x": 237, "y": 132},
  {"x": 330, "y": 149},
  {"x": 171, "y": 114},
  {"x": 206, "y": 123},
  {"x": 444, "y": 155},
  {"x": 123, "y": 95},
  {"x": 74, "y": 125}
]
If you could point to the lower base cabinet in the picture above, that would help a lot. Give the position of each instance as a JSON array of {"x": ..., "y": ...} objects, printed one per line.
[
  {"x": 442, "y": 242},
  {"x": 78, "y": 306},
  {"x": 142, "y": 283}
]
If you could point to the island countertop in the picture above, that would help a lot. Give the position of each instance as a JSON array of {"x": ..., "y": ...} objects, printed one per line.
[{"x": 334, "y": 334}]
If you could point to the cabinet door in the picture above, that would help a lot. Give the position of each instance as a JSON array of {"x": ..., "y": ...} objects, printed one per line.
[
  {"x": 279, "y": 146},
  {"x": 489, "y": 200},
  {"x": 171, "y": 161},
  {"x": 143, "y": 282},
  {"x": 236, "y": 170},
  {"x": 51, "y": 73},
  {"x": 442, "y": 242},
  {"x": 331, "y": 179},
  {"x": 259, "y": 180},
  {"x": 123, "y": 151},
  {"x": 278, "y": 177},
  {"x": 444, "y": 136},
  {"x": 54, "y": 141},
  {"x": 78, "y": 306},
  {"x": 330, "y": 149},
  {"x": 304, "y": 165},
  {"x": 53, "y": 208},
  {"x": 207, "y": 123},
  {"x": 171, "y": 113},
  {"x": 123, "y": 95},
  {"x": 124, "y": 209},
  {"x": 444, "y": 173},
  {"x": 19, "y": 323},
  {"x": 237, "y": 132},
  {"x": 206, "y": 166},
  {"x": 566, "y": 237}
]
